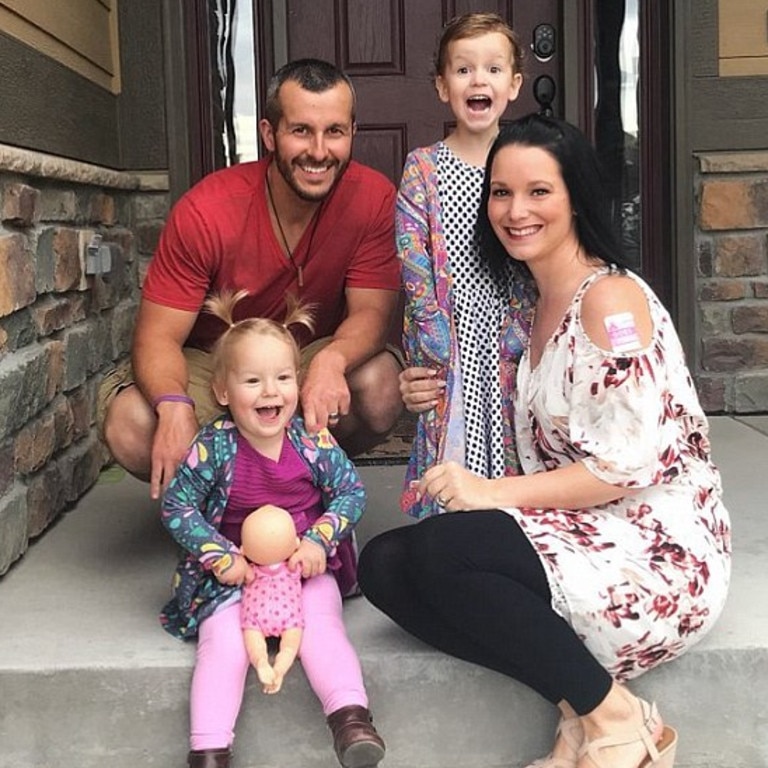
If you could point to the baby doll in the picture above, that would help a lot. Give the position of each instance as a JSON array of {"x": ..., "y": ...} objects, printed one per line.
[{"x": 271, "y": 603}]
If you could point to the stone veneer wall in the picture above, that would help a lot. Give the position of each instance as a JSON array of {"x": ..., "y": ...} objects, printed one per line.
[
  {"x": 731, "y": 240},
  {"x": 60, "y": 329}
]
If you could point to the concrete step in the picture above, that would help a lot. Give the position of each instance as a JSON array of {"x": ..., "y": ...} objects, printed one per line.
[{"x": 89, "y": 679}]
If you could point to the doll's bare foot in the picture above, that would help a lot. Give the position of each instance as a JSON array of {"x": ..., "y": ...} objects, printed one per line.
[
  {"x": 276, "y": 684},
  {"x": 266, "y": 674}
]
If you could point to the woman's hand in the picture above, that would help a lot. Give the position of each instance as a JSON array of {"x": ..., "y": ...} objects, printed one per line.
[
  {"x": 420, "y": 389},
  {"x": 569, "y": 487},
  {"x": 310, "y": 557},
  {"x": 455, "y": 488}
]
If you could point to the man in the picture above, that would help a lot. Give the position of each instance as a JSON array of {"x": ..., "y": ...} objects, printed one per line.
[{"x": 305, "y": 220}]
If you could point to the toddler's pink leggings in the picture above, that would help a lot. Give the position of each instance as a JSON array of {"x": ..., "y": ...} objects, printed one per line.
[{"x": 218, "y": 682}]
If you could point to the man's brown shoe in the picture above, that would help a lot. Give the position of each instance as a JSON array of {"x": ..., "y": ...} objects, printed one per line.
[
  {"x": 209, "y": 758},
  {"x": 355, "y": 740}
]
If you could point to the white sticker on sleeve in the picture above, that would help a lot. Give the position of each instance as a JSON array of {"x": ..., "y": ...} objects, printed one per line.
[{"x": 622, "y": 332}]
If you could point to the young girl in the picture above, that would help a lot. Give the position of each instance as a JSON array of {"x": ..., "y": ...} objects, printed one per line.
[
  {"x": 259, "y": 453},
  {"x": 463, "y": 334}
]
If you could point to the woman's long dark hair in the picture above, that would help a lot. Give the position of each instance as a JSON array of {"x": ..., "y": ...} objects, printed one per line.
[{"x": 580, "y": 168}]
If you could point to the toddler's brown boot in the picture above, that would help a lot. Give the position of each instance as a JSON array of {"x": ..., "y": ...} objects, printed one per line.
[
  {"x": 209, "y": 758},
  {"x": 355, "y": 740}
]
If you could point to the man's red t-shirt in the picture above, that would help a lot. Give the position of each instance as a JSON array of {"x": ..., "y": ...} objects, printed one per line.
[{"x": 219, "y": 237}]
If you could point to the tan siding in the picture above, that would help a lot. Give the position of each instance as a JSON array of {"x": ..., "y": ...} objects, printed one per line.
[
  {"x": 743, "y": 28},
  {"x": 80, "y": 34},
  {"x": 744, "y": 66},
  {"x": 743, "y": 32}
]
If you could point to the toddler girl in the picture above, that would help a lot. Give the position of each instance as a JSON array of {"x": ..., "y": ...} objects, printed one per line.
[{"x": 260, "y": 453}]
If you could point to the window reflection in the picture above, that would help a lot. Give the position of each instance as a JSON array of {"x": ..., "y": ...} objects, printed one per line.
[
  {"x": 617, "y": 67},
  {"x": 245, "y": 117},
  {"x": 234, "y": 65}
]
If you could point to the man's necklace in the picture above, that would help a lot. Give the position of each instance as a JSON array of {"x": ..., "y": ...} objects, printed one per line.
[{"x": 297, "y": 268}]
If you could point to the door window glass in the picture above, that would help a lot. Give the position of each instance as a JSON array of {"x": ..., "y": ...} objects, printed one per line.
[
  {"x": 236, "y": 97},
  {"x": 617, "y": 135}
]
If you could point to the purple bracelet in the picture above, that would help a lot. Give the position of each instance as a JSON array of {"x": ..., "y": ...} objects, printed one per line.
[{"x": 172, "y": 399}]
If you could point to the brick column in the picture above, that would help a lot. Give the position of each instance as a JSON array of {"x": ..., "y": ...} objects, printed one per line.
[
  {"x": 732, "y": 281},
  {"x": 60, "y": 328}
]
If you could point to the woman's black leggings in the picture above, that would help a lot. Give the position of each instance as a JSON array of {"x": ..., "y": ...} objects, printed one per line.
[{"x": 470, "y": 584}]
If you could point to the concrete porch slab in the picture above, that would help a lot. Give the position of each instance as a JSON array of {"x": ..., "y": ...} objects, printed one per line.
[{"x": 88, "y": 678}]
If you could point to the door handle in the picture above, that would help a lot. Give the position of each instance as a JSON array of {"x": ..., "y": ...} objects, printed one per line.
[{"x": 544, "y": 90}]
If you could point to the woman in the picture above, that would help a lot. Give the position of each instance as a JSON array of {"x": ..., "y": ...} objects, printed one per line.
[{"x": 611, "y": 553}]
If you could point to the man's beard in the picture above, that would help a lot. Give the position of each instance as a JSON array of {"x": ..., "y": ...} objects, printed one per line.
[{"x": 286, "y": 171}]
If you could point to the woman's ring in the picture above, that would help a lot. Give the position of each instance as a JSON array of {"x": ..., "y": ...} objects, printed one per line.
[
  {"x": 440, "y": 501},
  {"x": 334, "y": 416}
]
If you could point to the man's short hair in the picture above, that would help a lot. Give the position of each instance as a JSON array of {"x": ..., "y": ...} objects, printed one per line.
[{"x": 313, "y": 75}]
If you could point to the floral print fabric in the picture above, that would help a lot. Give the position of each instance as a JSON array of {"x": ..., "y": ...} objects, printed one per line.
[{"x": 643, "y": 578}]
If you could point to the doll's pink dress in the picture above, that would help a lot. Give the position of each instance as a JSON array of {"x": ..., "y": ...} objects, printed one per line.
[{"x": 271, "y": 603}]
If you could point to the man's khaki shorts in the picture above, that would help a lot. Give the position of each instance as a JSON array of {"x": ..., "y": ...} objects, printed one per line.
[{"x": 199, "y": 388}]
